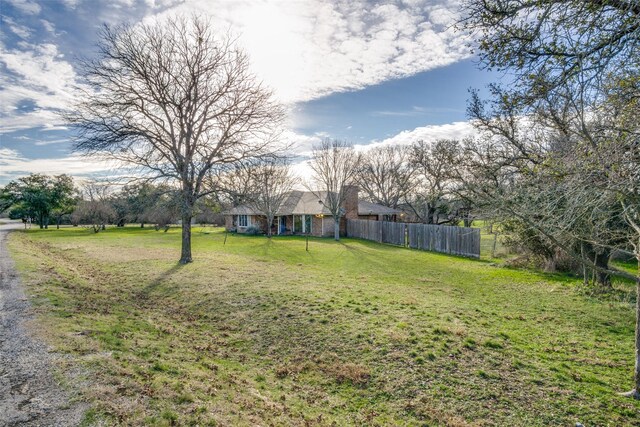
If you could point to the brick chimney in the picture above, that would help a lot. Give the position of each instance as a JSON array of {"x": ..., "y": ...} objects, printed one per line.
[{"x": 351, "y": 201}]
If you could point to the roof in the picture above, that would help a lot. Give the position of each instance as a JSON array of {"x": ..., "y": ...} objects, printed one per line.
[
  {"x": 368, "y": 208},
  {"x": 312, "y": 203},
  {"x": 241, "y": 210}
]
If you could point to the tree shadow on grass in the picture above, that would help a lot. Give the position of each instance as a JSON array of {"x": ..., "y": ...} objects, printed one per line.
[
  {"x": 284, "y": 248},
  {"x": 361, "y": 253},
  {"x": 145, "y": 292}
]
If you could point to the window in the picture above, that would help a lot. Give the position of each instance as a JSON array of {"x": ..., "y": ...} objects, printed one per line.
[
  {"x": 307, "y": 224},
  {"x": 243, "y": 220},
  {"x": 302, "y": 223}
]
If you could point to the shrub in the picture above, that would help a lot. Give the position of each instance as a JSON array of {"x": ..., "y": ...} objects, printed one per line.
[{"x": 252, "y": 230}]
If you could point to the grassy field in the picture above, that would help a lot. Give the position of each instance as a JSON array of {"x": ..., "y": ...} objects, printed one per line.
[{"x": 261, "y": 332}]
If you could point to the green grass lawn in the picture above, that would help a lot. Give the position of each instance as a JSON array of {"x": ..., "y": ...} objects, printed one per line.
[{"x": 261, "y": 332}]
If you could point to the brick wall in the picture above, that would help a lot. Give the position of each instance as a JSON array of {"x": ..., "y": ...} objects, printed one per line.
[{"x": 351, "y": 202}]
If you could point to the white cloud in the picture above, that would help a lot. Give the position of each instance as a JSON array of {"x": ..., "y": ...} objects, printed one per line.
[
  {"x": 300, "y": 144},
  {"x": 305, "y": 50},
  {"x": 48, "y": 26},
  {"x": 11, "y": 122},
  {"x": 13, "y": 165},
  {"x": 455, "y": 130},
  {"x": 161, "y": 4},
  {"x": 303, "y": 174},
  {"x": 26, "y": 6},
  {"x": 122, "y": 3},
  {"x": 17, "y": 29},
  {"x": 415, "y": 111},
  {"x": 7, "y": 154},
  {"x": 51, "y": 141},
  {"x": 38, "y": 75},
  {"x": 71, "y": 4}
]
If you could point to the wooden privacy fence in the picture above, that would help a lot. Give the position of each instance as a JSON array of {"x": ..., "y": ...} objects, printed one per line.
[
  {"x": 453, "y": 240},
  {"x": 446, "y": 239}
]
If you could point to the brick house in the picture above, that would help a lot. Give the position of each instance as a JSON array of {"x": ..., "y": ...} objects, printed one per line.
[{"x": 304, "y": 212}]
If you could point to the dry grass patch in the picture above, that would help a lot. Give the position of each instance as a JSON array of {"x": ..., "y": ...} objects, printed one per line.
[{"x": 352, "y": 373}]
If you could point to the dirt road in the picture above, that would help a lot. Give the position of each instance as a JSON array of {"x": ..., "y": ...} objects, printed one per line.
[{"x": 29, "y": 394}]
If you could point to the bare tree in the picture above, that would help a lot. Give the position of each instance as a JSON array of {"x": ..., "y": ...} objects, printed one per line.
[
  {"x": 165, "y": 210},
  {"x": 232, "y": 183},
  {"x": 94, "y": 208},
  {"x": 335, "y": 165},
  {"x": 271, "y": 183},
  {"x": 171, "y": 100},
  {"x": 434, "y": 165},
  {"x": 386, "y": 175},
  {"x": 135, "y": 203}
]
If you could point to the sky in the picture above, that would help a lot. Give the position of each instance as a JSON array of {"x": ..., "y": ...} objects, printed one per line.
[{"x": 382, "y": 73}]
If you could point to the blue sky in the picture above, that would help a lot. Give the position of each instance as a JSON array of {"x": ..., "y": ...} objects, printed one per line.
[{"x": 371, "y": 73}]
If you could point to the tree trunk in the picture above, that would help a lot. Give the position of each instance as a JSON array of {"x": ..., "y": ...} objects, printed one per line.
[
  {"x": 186, "y": 258},
  {"x": 336, "y": 229},
  {"x": 599, "y": 257},
  {"x": 635, "y": 393},
  {"x": 637, "y": 368},
  {"x": 58, "y": 219},
  {"x": 550, "y": 264},
  {"x": 493, "y": 248},
  {"x": 602, "y": 261},
  {"x": 269, "y": 224}
]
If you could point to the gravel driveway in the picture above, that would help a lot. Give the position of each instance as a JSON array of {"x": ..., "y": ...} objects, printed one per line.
[{"x": 29, "y": 394}]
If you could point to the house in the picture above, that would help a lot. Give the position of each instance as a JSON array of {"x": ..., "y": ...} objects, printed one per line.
[{"x": 305, "y": 212}]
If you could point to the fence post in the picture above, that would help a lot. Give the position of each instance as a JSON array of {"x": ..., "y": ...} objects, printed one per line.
[{"x": 493, "y": 248}]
